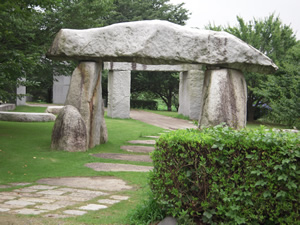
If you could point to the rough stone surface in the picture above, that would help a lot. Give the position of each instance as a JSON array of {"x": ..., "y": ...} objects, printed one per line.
[
  {"x": 142, "y": 149},
  {"x": 26, "y": 117},
  {"x": 93, "y": 207},
  {"x": 190, "y": 93},
  {"x": 127, "y": 157},
  {"x": 168, "y": 221},
  {"x": 85, "y": 94},
  {"x": 142, "y": 67},
  {"x": 108, "y": 201},
  {"x": 103, "y": 128},
  {"x": 118, "y": 167},
  {"x": 96, "y": 183},
  {"x": 159, "y": 42},
  {"x": 119, "y": 94},
  {"x": 224, "y": 99},
  {"x": 54, "y": 109},
  {"x": 29, "y": 211},
  {"x": 147, "y": 142},
  {"x": 60, "y": 88},
  {"x": 119, "y": 197},
  {"x": 7, "y": 107},
  {"x": 21, "y": 90},
  {"x": 69, "y": 132},
  {"x": 75, "y": 212}
]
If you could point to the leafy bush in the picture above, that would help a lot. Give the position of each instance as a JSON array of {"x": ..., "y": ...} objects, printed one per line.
[
  {"x": 222, "y": 176},
  {"x": 147, "y": 212},
  {"x": 143, "y": 104}
]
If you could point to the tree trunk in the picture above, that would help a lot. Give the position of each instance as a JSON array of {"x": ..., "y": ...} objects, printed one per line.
[{"x": 250, "y": 112}]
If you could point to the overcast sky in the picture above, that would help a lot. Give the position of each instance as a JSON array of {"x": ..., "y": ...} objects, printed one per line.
[{"x": 224, "y": 12}]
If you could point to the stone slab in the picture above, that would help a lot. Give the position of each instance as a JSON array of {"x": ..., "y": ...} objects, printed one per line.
[
  {"x": 134, "y": 148},
  {"x": 19, "y": 203},
  {"x": 183, "y": 45},
  {"x": 152, "y": 137},
  {"x": 108, "y": 201},
  {"x": 4, "y": 209},
  {"x": 119, "y": 197},
  {"x": 26, "y": 190},
  {"x": 43, "y": 187},
  {"x": 7, "y": 107},
  {"x": 127, "y": 157},
  {"x": 57, "y": 216},
  {"x": 29, "y": 211},
  {"x": 52, "y": 192},
  {"x": 26, "y": 117},
  {"x": 118, "y": 167},
  {"x": 7, "y": 197},
  {"x": 95, "y": 183},
  {"x": 75, "y": 212},
  {"x": 147, "y": 142},
  {"x": 5, "y": 186},
  {"x": 37, "y": 200},
  {"x": 50, "y": 206},
  {"x": 93, "y": 207},
  {"x": 19, "y": 184}
]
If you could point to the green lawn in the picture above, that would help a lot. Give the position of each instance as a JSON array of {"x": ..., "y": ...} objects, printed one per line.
[{"x": 25, "y": 156}]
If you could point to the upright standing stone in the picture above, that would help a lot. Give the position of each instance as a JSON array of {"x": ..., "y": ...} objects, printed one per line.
[
  {"x": 69, "y": 131},
  {"x": 60, "y": 88},
  {"x": 224, "y": 98},
  {"x": 190, "y": 93},
  {"x": 119, "y": 94},
  {"x": 85, "y": 94},
  {"x": 21, "y": 90}
]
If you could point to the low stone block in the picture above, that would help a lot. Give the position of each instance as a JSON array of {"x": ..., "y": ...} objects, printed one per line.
[
  {"x": 7, "y": 107},
  {"x": 26, "y": 117},
  {"x": 119, "y": 197}
]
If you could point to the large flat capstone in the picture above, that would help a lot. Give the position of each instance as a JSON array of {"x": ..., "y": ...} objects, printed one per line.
[{"x": 159, "y": 42}]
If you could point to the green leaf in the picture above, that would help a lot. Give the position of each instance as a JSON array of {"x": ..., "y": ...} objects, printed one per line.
[{"x": 267, "y": 194}]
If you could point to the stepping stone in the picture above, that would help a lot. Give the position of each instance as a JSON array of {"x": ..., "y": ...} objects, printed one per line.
[
  {"x": 7, "y": 197},
  {"x": 118, "y": 167},
  {"x": 37, "y": 200},
  {"x": 26, "y": 189},
  {"x": 93, "y": 207},
  {"x": 119, "y": 197},
  {"x": 19, "y": 184},
  {"x": 108, "y": 201},
  {"x": 19, "y": 203},
  {"x": 75, "y": 212},
  {"x": 152, "y": 137},
  {"x": 29, "y": 211},
  {"x": 4, "y": 209},
  {"x": 95, "y": 183},
  {"x": 5, "y": 186},
  {"x": 52, "y": 192},
  {"x": 135, "y": 148},
  {"x": 50, "y": 206},
  {"x": 146, "y": 142},
  {"x": 138, "y": 158},
  {"x": 43, "y": 187}
]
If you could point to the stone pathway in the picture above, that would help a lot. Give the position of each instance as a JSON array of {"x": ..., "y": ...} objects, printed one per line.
[
  {"x": 115, "y": 167},
  {"x": 136, "y": 148},
  {"x": 60, "y": 201},
  {"x": 127, "y": 157}
]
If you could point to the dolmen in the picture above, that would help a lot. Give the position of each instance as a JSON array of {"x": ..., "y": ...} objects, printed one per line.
[{"x": 154, "y": 42}]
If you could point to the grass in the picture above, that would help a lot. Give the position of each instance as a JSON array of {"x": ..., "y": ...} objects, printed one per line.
[
  {"x": 25, "y": 156},
  {"x": 25, "y": 108}
]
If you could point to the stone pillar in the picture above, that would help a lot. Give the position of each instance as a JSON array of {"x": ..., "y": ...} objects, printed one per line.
[
  {"x": 21, "y": 90},
  {"x": 118, "y": 105},
  {"x": 85, "y": 94},
  {"x": 224, "y": 99},
  {"x": 60, "y": 88},
  {"x": 190, "y": 93}
]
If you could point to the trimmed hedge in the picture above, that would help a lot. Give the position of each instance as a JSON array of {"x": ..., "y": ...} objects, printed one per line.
[
  {"x": 143, "y": 104},
  {"x": 222, "y": 176}
]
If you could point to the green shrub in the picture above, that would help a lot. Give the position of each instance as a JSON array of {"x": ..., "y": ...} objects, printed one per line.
[
  {"x": 223, "y": 176},
  {"x": 143, "y": 104},
  {"x": 146, "y": 213}
]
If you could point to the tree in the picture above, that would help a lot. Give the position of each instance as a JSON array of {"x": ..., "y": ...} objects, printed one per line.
[
  {"x": 162, "y": 85},
  {"x": 283, "y": 92},
  {"x": 272, "y": 38},
  {"x": 134, "y": 10},
  {"x": 19, "y": 47}
]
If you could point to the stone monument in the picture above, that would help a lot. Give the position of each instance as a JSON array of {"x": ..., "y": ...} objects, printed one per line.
[{"x": 156, "y": 43}]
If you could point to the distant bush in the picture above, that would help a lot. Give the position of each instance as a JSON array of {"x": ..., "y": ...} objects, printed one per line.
[
  {"x": 143, "y": 104},
  {"x": 223, "y": 176}
]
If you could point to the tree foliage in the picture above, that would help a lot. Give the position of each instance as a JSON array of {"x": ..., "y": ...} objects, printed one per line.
[
  {"x": 154, "y": 85},
  {"x": 272, "y": 38}
]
